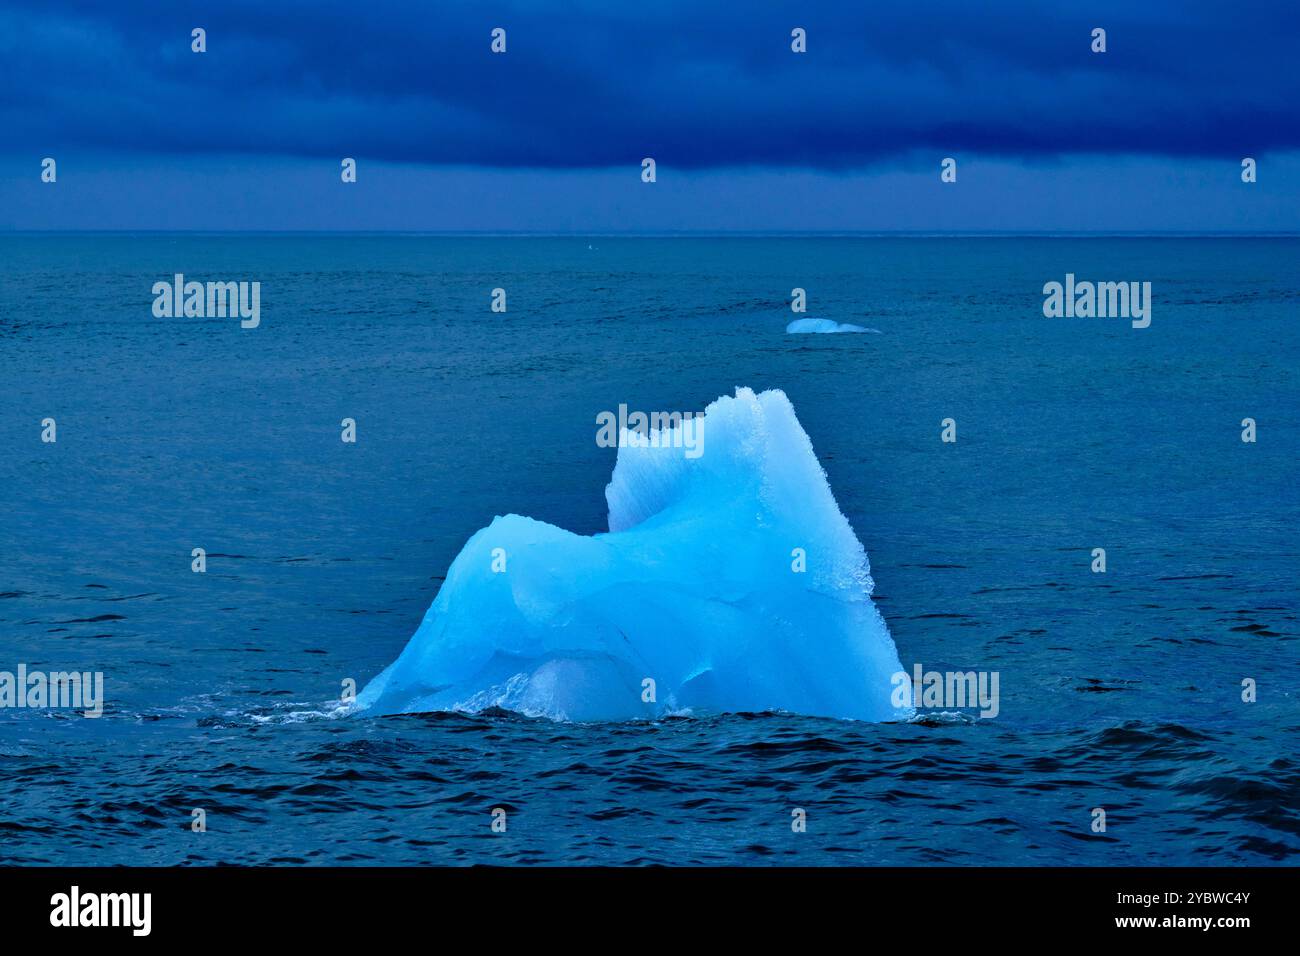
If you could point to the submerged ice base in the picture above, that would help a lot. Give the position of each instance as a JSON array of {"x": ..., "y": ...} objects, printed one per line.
[{"x": 694, "y": 588}]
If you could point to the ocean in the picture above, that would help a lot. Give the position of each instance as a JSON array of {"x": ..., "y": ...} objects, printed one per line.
[{"x": 1124, "y": 691}]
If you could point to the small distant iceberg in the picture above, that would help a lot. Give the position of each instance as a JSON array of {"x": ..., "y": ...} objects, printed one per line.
[
  {"x": 825, "y": 325},
  {"x": 728, "y": 582}
]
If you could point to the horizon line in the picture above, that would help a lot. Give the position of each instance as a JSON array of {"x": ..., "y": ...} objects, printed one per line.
[{"x": 690, "y": 233}]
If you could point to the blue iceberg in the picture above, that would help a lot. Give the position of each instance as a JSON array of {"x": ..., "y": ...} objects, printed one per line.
[
  {"x": 729, "y": 581},
  {"x": 825, "y": 325}
]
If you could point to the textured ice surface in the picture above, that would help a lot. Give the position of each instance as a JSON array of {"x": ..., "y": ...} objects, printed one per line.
[
  {"x": 693, "y": 587},
  {"x": 825, "y": 325}
]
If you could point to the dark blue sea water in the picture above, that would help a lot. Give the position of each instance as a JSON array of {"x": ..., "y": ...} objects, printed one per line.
[{"x": 1120, "y": 690}]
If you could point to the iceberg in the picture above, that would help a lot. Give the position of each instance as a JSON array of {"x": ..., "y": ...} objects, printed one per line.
[
  {"x": 728, "y": 582},
  {"x": 825, "y": 325}
]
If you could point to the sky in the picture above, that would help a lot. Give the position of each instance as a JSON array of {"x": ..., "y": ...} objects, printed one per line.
[{"x": 746, "y": 134}]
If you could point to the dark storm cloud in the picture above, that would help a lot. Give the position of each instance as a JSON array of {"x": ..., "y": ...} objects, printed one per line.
[{"x": 696, "y": 85}]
